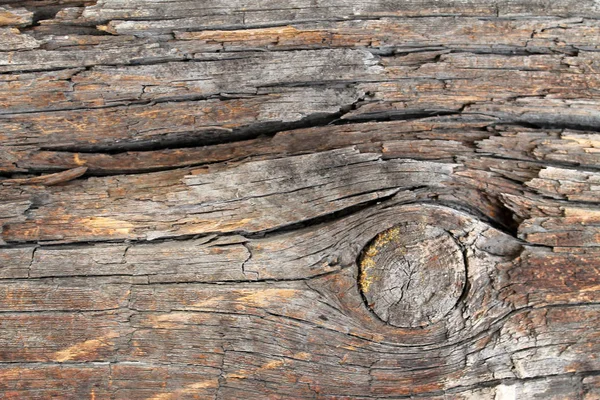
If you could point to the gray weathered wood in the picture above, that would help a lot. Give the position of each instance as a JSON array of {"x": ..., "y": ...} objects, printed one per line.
[{"x": 299, "y": 199}]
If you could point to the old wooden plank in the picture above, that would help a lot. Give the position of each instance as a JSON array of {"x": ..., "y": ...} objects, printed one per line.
[
  {"x": 269, "y": 186},
  {"x": 150, "y": 126},
  {"x": 99, "y": 380}
]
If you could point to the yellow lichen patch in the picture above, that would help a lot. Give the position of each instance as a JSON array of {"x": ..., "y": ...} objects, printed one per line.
[
  {"x": 365, "y": 280},
  {"x": 188, "y": 389},
  {"x": 82, "y": 350},
  {"x": 367, "y": 261}
]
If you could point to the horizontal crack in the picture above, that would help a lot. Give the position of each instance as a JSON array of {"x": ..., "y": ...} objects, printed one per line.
[{"x": 207, "y": 137}]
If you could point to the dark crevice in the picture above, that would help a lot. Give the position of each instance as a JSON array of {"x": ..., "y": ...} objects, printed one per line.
[
  {"x": 397, "y": 51},
  {"x": 59, "y": 311},
  {"x": 43, "y": 10},
  {"x": 211, "y": 136},
  {"x": 502, "y": 223},
  {"x": 395, "y": 116},
  {"x": 324, "y": 219},
  {"x": 504, "y": 218},
  {"x": 507, "y": 51},
  {"x": 163, "y": 281},
  {"x": 34, "y": 70},
  {"x": 201, "y": 138},
  {"x": 52, "y": 245},
  {"x": 592, "y": 126}
]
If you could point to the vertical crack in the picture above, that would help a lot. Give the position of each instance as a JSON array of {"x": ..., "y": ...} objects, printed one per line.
[
  {"x": 221, "y": 380},
  {"x": 256, "y": 275},
  {"x": 31, "y": 261}
]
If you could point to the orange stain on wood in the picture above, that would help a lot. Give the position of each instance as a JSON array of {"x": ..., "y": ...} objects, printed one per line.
[
  {"x": 67, "y": 226},
  {"x": 187, "y": 390},
  {"x": 81, "y": 350},
  {"x": 194, "y": 227},
  {"x": 244, "y": 374},
  {"x": 212, "y": 302},
  {"x": 78, "y": 160},
  {"x": 590, "y": 144},
  {"x": 9, "y": 18},
  {"x": 582, "y": 215},
  {"x": 106, "y": 226},
  {"x": 267, "y": 297},
  {"x": 303, "y": 356}
]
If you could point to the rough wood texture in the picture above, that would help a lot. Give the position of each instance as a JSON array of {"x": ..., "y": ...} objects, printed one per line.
[
  {"x": 412, "y": 276},
  {"x": 300, "y": 199}
]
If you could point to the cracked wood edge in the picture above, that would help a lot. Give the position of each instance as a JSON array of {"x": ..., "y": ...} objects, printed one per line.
[{"x": 369, "y": 84}]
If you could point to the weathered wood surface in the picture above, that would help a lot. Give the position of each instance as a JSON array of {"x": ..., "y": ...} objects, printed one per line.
[{"x": 300, "y": 199}]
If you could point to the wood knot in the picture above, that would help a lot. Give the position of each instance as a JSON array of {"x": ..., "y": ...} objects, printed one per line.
[{"x": 412, "y": 275}]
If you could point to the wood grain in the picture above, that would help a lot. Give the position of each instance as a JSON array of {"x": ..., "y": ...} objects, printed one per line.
[{"x": 300, "y": 199}]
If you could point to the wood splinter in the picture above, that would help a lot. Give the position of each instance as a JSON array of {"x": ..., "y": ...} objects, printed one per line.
[{"x": 50, "y": 179}]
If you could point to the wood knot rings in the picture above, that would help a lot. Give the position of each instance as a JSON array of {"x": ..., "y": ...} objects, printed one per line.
[{"x": 412, "y": 275}]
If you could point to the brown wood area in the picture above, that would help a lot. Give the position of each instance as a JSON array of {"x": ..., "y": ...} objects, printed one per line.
[{"x": 300, "y": 199}]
